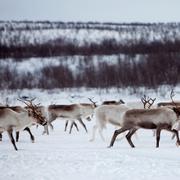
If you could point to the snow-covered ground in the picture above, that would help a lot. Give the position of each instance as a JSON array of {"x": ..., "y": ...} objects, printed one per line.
[{"x": 71, "y": 156}]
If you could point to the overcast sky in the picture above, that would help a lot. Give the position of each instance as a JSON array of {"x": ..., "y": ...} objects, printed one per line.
[{"x": 91, "y": 10}]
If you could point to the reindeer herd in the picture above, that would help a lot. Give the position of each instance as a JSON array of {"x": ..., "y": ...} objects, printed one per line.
[{"x": 165, "y": 115}]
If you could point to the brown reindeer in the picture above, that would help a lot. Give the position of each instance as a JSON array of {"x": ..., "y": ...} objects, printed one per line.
[{"x": 160, "y": 118}]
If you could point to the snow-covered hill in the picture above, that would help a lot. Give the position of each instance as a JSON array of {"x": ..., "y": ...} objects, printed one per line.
[{"x": 32, "y": 33}]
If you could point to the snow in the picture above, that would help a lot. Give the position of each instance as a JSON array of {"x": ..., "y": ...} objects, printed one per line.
[{"x": 61, "y": 155}]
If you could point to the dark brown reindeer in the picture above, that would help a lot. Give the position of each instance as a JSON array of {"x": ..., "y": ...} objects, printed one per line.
[{"x": 160, "y": 118}]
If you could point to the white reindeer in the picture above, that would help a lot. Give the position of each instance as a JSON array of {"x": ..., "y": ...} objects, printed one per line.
[
  {"x": 160, "y": 118},
  {"x": 107, "y": 114},
  {"x": 113, "y": 112},
  {"x": 11, "y": 120}
]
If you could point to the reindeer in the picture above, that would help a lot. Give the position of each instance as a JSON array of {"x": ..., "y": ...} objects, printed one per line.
[
  {"x": 113, "y": 114},
  {"x": 18, "y": 109},
  {"x": 11, "y": 120},
  {"x": 72, "y": 112},
  {"x": 86, "y": 110},
  {"x": 160, "y": 118},
  {"x": 107, "y": 114}
]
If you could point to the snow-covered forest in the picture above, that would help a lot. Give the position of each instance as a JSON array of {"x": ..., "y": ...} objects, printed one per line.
[{"x": 88, "y": 54}]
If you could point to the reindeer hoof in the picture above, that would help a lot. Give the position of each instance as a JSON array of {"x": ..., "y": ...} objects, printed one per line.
[{"x": 178, "y": 143}]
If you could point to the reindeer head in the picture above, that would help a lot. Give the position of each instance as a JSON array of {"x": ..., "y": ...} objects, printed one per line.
[{"x": 33, "y": 111}]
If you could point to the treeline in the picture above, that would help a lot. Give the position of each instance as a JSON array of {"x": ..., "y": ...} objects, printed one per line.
[
  {"x": 37, "y": 25},
  {"x": 47, "y": 39},
  {"x": 148, "y": 71},
  {"x": 106, "y": 47}
]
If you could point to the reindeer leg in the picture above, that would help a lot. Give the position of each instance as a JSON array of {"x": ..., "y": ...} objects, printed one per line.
[
  {"x": 82, "y": 123},
  {"x": 116, "y": 133},
  {"x": 46, "y": 129},
  {"x": 101, "y": 134},
  {"x": 173, "y": 136},
  {"x": 158, "y": 133},
  {"x": 175, "y": 132},
  {"x": 10, "y": 134},
  {"x": 177, "y": 137},
  {"x": 73, "y": 123},
  {"x": 66, "y": 124},
  {"x": 129, "y": 135},
  {"x": 94, "y": 132},
  {"x": 17, "y": 136},
  {"x": 52, "y": 127},
  {"x": 76, "y": 126},
  {"x": 0, "y": 136},
  {"x": 31, "y": 135},
  {"x": 70, "y": 130}
]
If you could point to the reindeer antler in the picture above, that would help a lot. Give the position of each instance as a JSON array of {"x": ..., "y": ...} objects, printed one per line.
[
  {"x": 146, "y": 100},
  {"x": 171, "y": 96},
  {"x": 151, "y": 103},
  {"x": 94, "y": 103},
  {"x": 29, "y": 101}
]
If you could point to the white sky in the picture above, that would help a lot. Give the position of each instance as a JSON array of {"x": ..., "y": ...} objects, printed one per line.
[{"x": 91, "y": 10}]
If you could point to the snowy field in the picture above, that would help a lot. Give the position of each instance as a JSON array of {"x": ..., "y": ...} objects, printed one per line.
[{"x": 72, "y": 156}]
